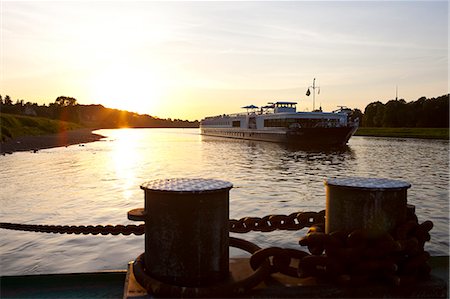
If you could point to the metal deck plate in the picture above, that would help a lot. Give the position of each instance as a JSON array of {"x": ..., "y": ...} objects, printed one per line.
[
  {"x": 186, "y": 185},
  {"x": 367, "y": 183}
]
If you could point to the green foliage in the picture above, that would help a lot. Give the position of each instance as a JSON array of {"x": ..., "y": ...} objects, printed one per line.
[
  {"x": 373, "y": 115},
  {"x": 423, "y": 113},
  {"x": 5, "y": 133},
  {"x": 94, "y": 116},
  {"x": 65, "y": 101},
  {"x": 425, "y": 133},
  {"x": 15, "y": 125}
]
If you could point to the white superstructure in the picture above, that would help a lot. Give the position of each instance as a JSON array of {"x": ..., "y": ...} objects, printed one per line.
[{"x": 280, "y": 122}]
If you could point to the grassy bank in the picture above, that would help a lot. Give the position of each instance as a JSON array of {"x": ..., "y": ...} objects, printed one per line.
[
  {"x": 12, "y": 126},
  {"x": 425, "y": 133}
]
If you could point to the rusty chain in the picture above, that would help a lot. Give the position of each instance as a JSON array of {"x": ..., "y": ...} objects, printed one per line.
[
  {"x": 77, "y": 229},
  {"x": 397, "y": 257},
  {"x": 294, "y": 221},
  {"x": 228, "y": 288},
  {"x": 354, "y": 258}
]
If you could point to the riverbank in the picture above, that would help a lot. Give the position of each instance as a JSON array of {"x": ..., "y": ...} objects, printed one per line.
[
  {"x": 13, "y": 126},
  {"x": 79, "y": 136},
  {"x": 423, "y": 133},
  {"x": 35, "y": 143}
]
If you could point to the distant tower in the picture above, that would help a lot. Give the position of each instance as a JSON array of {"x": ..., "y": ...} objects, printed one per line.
[{"x": 396, "y": 92}]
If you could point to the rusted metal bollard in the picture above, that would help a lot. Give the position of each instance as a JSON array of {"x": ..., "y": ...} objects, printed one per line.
[
  {"x": 374, "y": 204},
  {"x": 186, "y": 230}
]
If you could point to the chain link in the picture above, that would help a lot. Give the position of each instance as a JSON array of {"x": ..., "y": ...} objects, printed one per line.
[
  {"x": 77, "y": 229},
  {"x": 294, "y": 221},
  {"x": 348, "y": 258},
  {"x": 397, "y": 257}
]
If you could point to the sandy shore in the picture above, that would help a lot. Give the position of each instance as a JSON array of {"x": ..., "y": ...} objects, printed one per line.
[{"x": 34, "y": 143}]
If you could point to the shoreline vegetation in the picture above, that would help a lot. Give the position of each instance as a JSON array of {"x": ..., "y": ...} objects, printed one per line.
[
  {"x": 421, "y": 133},
  {"x": 25, "y": 133},
  {"x": 13, "y": 126},
  {"x": 35, "y": 143},
  {"x": 26, "y": 126}
]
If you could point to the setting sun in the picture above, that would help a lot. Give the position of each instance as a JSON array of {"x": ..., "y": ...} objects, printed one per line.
[
  {"x": 128, "y": 88},
  {"x": 188, "y": 60}
]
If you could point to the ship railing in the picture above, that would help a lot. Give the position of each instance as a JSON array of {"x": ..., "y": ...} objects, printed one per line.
[{"x": 232, "y": 115}]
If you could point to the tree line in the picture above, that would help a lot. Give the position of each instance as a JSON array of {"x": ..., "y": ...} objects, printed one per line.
[
  {"x": 422, "y": 113},
  {"x": 96, "y": 116}
]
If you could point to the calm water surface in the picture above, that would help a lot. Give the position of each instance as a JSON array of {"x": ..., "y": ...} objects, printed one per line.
[{"x": 99, "y": 182}]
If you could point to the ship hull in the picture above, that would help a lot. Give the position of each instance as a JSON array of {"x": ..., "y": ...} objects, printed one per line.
[{"x": 337, "y": 136}]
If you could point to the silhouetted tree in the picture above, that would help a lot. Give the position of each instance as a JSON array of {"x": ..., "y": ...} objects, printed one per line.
[
  {"x": 8, "y": 101},
  {"x": 66, "y": 109},
  {"x": 65, "y": 101},
  {"x": 392, "y": 113},
  {"x": 373, "y": 114},
  {"x": 424, "y": 112},
  {"x": 356, "y": 114},
  {"x": 442, "y": 116}
]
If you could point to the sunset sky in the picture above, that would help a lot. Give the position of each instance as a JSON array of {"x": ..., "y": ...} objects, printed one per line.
[{"x": 189, "y": 59}]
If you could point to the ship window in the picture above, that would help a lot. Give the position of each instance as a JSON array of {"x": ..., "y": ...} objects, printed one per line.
[
  {"x": 236, "y": 123},
  {"x": 280, "y": 122}
]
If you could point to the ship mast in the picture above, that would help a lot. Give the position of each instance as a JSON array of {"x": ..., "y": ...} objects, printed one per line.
[{"x": 314, "y": 93}]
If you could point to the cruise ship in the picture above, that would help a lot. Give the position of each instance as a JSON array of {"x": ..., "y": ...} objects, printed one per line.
[{"x": 280, "y": 122}]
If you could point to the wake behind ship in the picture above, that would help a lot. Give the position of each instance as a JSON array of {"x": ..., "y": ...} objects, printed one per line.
[{"x": 280, "y": 122}]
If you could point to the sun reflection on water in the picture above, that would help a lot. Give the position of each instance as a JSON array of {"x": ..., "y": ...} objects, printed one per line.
[
  {"x": 126, "y": 156},
  {"x": 99, "y": 183}
]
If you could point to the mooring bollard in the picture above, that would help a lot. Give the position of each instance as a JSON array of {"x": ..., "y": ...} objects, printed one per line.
[
  {"x": 186, "y": 230},
  {"x": 374, "y": 204}
]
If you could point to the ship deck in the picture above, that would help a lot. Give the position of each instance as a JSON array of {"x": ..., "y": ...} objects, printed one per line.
[{"x": 117, "y": 284}]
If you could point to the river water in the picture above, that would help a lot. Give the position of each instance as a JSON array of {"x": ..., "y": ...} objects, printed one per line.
[{"x": 97, "y": 183}]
